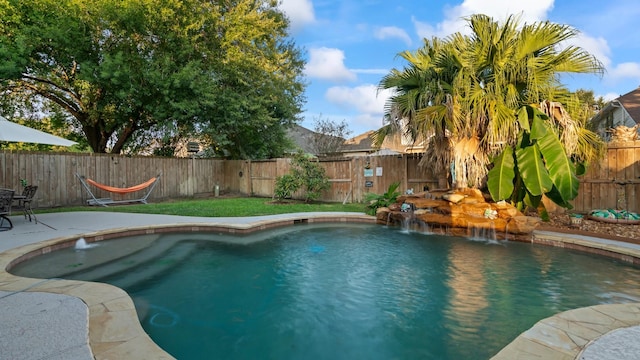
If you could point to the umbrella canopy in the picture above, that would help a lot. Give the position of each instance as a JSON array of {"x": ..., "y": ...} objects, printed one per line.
[{"x": 12, "y": 132}]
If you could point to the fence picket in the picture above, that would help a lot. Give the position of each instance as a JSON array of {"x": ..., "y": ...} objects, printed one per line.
[{"x": 613, "y": 182}]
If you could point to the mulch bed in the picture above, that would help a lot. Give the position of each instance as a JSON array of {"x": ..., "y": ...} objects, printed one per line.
[{"x": 613, "y": 231}]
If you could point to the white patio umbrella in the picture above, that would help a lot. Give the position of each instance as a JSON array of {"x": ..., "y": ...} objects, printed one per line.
[{"x": 12, "y": 132}]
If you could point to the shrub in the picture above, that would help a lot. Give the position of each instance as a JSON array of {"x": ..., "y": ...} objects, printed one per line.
[
  {"x": 305, "y": 174},
  {"x": 286, "y": 185},
  {"x": 375, "y": 201}
]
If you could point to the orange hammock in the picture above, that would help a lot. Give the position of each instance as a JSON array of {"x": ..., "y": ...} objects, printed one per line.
[{"x": 118, "y": 190}]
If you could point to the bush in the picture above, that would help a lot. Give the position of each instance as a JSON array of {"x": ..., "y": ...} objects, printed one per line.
[
  {"x": 286, "y": 185},
  {"x": 305, "y": 174}
]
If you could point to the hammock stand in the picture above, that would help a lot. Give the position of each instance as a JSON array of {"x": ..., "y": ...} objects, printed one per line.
[{"x": 149, "y": 185}]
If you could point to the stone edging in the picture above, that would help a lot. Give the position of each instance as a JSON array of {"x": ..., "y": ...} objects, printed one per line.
[{"x": 567, "y": 334}]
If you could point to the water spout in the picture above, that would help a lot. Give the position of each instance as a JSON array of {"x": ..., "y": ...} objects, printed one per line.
[
  {"x": 485, "y": 233},
  {"x": 406, "y": 223},
  {"x": 424, "y": 227},
  {"x": 81, "y": 244},
  {"x": 408, "y": 216}
]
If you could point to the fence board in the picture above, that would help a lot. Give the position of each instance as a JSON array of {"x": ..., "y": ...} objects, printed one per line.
[{"x": 616, "y": 177}]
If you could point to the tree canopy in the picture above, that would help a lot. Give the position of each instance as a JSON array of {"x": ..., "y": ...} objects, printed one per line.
[{"x": 130, "y": 72}]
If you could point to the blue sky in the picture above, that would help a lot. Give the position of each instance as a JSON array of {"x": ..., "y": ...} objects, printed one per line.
[{"x": 351, "y": 44}]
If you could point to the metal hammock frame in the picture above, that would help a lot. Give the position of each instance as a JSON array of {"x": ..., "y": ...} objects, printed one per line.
[{"x": 149, "y": 185}]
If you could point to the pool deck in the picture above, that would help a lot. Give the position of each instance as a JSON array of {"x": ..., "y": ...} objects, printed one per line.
[{"x": 64, "y": 319}]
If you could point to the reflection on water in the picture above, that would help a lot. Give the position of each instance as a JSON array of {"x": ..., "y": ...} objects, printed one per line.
[{"x": 468, "y": 296}]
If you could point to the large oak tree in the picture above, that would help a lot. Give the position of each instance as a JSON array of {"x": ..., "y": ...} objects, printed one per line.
[{"x": 128, "y": 71}]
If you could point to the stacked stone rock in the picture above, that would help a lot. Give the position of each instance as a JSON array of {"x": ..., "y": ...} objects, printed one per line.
[{"x": 459, "y": 212}]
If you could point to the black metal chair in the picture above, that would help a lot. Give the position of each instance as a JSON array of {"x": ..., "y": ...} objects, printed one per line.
[
  {"x": 6, "y": 198},
  {"x": 24, "y": 202}
]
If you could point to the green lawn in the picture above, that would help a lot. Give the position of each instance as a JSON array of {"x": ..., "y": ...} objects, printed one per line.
[{"x": 218, "y": 207}]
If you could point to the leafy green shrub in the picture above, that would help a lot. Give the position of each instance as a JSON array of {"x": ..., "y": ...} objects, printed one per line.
[
  {"x": 286, "y": 185},
  {"x": 375, "y": 201},
  {"x": 305, "y": 174}
]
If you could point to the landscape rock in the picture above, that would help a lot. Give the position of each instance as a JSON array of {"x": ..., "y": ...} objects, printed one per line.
[{"x": 458, "y": 212}]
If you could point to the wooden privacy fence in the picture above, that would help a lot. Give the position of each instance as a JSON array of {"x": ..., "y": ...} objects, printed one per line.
[
  {"x": 351, "y": 178},
  {"x": 54, "y": 174},
  {"x": 612, "y": 183}
]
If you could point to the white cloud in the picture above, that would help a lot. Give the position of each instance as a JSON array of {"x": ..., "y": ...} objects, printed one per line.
[
  {"x": 391, "y": 32},
  {"x": 299, "y": 12},
  {"x": 326, "y": 63},
  {"x": 361, "y": 107},
  {"x": 424, "y": 30},
  {"x": 363, "y": 98},
  {"x": 366, "y": 121},
  {"x": 626, "y": 71},
  {"x": 371, "y": 71},
  {"x": 597, "y": 47},
  {"x": 528, "y": 10},
  {"x": 609, "y": 96}
]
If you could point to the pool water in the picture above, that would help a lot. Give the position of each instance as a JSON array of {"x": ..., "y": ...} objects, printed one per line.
[{"x": 359, "y": 292}]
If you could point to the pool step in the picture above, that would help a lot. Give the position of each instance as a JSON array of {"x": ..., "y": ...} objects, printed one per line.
[{"x": 131, "y": 271}]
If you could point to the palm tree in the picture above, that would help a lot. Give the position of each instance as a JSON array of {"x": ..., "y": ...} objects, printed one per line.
[
  {"x": 464, "y": 92},
  {"x": 423, "y": 87}
]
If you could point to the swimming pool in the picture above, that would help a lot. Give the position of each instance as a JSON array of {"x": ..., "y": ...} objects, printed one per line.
[{"x": 345, "y": 291}]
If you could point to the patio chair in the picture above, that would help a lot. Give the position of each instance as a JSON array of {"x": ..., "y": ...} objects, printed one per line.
[
  {"x": 6, "y": 198},
  {"x": 23, "y": 203}
]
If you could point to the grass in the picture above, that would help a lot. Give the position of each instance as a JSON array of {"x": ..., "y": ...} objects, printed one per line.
[{"x": 218, "y": 207}]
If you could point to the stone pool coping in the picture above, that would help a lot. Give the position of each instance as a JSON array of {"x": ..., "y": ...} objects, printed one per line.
[
  {"x": 114, "y": 331},
  {"x": 570, "y": 334}
]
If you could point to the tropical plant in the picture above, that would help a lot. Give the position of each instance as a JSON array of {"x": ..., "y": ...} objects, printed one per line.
[
  {"x": 463, "y": 94},
  {"x": 536, "y": 166},
  {"x": 375, "y": 201}
]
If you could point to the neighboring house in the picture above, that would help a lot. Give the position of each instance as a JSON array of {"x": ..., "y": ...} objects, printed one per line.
[
  {"x": 362, "y": 145},
  {"x": 314, "y": 143},
  {"x": 623, "y": 111},
  {"x": 302, "y": 138}
]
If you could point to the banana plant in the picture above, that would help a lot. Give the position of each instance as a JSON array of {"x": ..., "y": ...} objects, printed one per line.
[{"x": 538, "y": 165}]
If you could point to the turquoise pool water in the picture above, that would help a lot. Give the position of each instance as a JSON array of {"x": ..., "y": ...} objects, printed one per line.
[{"x": 347, "y": 292}]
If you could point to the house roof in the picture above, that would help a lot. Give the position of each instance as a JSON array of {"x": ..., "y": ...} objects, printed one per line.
[
  {"x": 362, "y": 142},
  {"x": 302, "y": 137},
  {"x": 631, "y": 103},
  {"x": 308, "y": 140},
  {"x": 628, "y": 103}
]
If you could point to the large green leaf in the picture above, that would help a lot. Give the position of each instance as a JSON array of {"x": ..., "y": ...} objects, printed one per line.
[
  {"x": 523, "y": 118},
  {"x": 554, "y": 195},
  {"x": 532, "y": 201},
  {"x": 534, "y": 175},
  {"x": 561, "y": 170},
  {"x": 538, "y": 128},
  {"x": 500, "y": 177}
]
